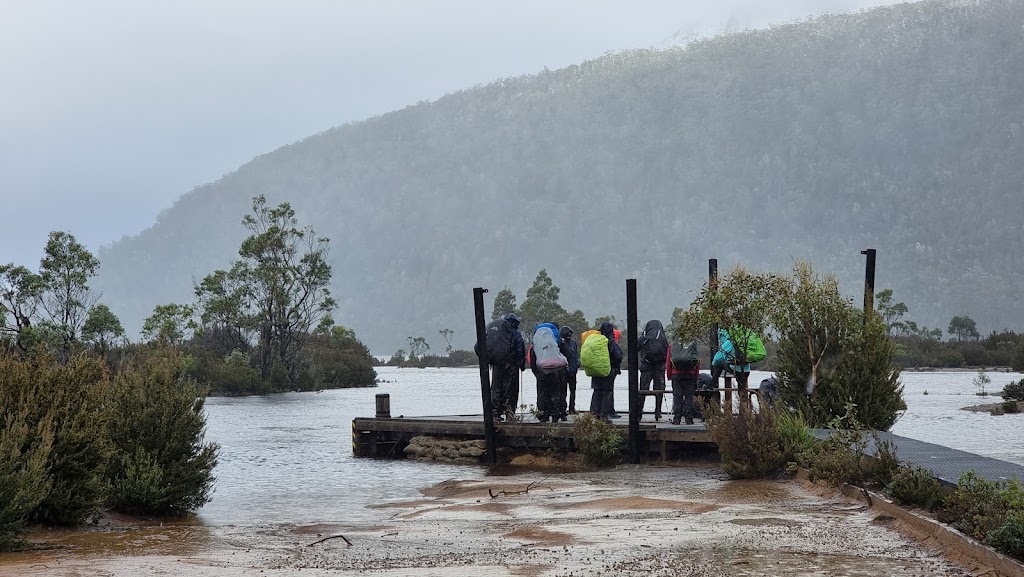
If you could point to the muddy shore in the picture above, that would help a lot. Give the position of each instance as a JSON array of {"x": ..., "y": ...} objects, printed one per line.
[{"x": 662, "y": 521}]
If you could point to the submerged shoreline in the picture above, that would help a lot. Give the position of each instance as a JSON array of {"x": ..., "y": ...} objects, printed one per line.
[{"x": 634, "y": 520}]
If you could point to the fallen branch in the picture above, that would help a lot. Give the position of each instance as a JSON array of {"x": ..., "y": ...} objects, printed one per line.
[
  {"x": 532, "y": 485},
  {"x": 338, "y": 536}
]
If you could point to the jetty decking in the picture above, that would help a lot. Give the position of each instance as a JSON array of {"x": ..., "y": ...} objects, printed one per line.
[{"x": 388, "y": 436}]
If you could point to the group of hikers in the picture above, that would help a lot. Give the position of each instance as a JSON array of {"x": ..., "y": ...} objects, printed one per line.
[{"x": 555, "y": 360}]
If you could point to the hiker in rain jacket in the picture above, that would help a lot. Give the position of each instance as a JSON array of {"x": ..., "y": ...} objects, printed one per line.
[
  {"x": 505, "y": 378},
  {"x": 571, "y": 350},
  {"x": 725, "y": 358},
  {"x": 684, "y": 386},
  {"x": 652, "y": 373},
  {"x": 601, "y": 401}
]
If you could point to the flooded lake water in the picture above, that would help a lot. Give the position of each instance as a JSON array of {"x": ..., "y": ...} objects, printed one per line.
[
  {"x": 288, "y": 458},
  {"x": 287, "y": 481}
]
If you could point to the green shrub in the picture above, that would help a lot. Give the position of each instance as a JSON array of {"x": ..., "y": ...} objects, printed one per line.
[
  {"x": 24, "y": 449},
  {"x": 161, "y": 464},
  {"x": 913, "y": 485},
  {"x": 232, "y": 375},
  {"x": 794, "y": 435},
  {"x": 1009, "y": 537},
  {"x": 856, "y": 368},
  {"x": 838, "y": 459},
  {"x": 1010, "y": 407},
  {"x": 600, "y": 444},
  {"x": 976, "y": 507},
  {"x": 885, "y": 464},
  {"x": 75, "y": 402},
  {"x": 1014, "y": 391},
  {"x": 749, "y": 442},
  {"x": 337, "y": 360}
]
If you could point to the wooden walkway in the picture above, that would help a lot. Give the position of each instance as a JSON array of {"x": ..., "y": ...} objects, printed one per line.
[{"x": 386, "y": 437}]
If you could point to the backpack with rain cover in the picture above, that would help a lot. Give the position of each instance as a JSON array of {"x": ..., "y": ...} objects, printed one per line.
[
  {"x": 755, "y": 349},
  {"x": 586, "y": 335},
  {"x": 499, "y": 342},
  {"x": 654, "y": 344},
  {"x": 545, "y": 347},
  {"x": 594, "y": 356},
  {"x": 685, "y": 356}
]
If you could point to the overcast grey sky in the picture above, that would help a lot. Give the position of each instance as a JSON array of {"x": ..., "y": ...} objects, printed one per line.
[{"x": 110, "y": 110}]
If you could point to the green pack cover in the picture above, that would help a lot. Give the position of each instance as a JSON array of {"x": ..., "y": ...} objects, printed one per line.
[
  {"x": 755, "y": 349},
  {"x": 594, "y": 356}
]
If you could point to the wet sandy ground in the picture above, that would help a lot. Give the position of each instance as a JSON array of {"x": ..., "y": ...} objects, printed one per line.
[{"x": 649, "y": 521}]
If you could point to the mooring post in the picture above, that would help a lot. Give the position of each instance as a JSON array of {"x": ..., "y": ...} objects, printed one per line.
[
  {"x": 713, "y": 340},
  {"x": 869, "y": 283},
  {"x": 485, "y": 377},
  {"x": 383, "y": 406},
  {"x": 635, "y": 408}
]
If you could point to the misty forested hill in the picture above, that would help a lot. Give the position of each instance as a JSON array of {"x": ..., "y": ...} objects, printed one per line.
[{"x": 900, "y": 129}]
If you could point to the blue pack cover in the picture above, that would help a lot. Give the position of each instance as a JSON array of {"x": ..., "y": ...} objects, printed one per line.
[{"x": 554, "y": 329}]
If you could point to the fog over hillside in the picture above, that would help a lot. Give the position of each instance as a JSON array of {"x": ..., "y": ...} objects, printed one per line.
[
  {"x": 898, "y": 129},
  {"x": 115, "y": 109}
]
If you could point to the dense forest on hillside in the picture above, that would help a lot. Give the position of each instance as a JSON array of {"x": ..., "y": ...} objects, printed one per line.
[{"x": 899, "y": 128}]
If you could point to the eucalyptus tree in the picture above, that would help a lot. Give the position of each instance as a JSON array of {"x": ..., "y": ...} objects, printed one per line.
[
  {"x": 101, "y": 328},
  {"x": 743, "y": 303},
  {"x": 279, "y": 286},
  {"x": 21, "y": 292},
  {"x": 169, "y": 325},
  {"x": 65, "y": 269}
]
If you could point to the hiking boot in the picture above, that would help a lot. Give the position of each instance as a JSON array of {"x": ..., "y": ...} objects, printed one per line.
[
  {"x": 689, "y": 420},
  {"x": 564, "y": 418}
]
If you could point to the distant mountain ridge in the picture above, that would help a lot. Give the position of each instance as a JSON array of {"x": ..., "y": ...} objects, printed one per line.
[{"x": 900, "y": 128}]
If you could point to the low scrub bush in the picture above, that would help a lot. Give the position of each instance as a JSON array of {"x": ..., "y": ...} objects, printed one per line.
[
  {"x": 24, "y": 450},
  {"x": 1014, "y": 391},
  {"x": 793, "y": 433},
  {"x": 838, "y": 459},
  {"x": 75, "y": 401},
  {"x": 1009, "y": 537},
  {"x": 976, "y": 507},
  {"x": 599, "y": 443},
  {"x": 1011, "y": 407},
  {"x": 748, "y": 442},
  {"x": 161, "y": 464},
  {"x": 913, "y": 485}
]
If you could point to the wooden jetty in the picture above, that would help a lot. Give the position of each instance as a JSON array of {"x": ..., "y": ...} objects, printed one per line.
[{"x": 387, "y": 436}]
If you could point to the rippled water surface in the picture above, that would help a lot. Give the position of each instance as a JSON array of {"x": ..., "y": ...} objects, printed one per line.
[{"x": 288, "y": 458}]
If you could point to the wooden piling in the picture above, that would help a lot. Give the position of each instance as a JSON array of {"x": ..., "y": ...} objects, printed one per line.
[
  {"x": 383, "y": 406},
  {"x": 713, "y": 343},
  {"x": 635, "y": 408},
  {"x": 869, "y": 283},
  {"x": 485, "y": 377}
]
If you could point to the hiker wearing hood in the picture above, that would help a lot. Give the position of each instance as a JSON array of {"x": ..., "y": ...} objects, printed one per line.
[
  {"x": 505, "y": 373},
  {"x": 725, "y": 358},
  {"x": 652, "y": 346},
  {"x": 601, "y": 401},
  {"x": 568, "y": 347}
]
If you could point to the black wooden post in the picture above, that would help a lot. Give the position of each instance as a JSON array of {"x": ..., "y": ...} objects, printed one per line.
[
  {"x": 634, "y": 373},
  {"x": 485, "y": 377},
  {"x": 869, "y": 283},
  {"x": 713, "y": 343}
]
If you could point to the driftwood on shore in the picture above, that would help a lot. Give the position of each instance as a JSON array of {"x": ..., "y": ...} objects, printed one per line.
[
  {"x": 504, "y": 493},
  {"x": 338, "y": 536}
]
